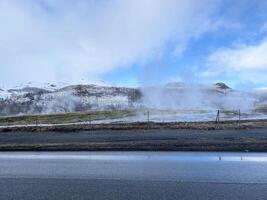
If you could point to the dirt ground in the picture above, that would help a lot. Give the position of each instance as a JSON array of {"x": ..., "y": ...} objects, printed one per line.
[
  {"x": 74, "y": 127},
  {"x": 138, "y": 140}
]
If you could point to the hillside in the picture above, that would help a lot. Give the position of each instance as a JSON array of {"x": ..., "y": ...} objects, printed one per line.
[
  {"x": 33, "y": 100},
  {"x": 52, "y": 98}
]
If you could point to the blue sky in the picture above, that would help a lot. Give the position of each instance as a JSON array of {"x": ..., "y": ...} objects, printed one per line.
[
  {"x": 134, "y": 42},
  {"x": 246, "y": 27}
]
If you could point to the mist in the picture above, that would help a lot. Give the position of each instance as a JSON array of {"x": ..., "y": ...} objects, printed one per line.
[{"x": 185, "y": 96}]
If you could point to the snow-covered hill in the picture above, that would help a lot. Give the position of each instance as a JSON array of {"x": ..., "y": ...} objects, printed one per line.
[
  {"x": 60, "y": 97},
  {"x": 52, "y": 99}
]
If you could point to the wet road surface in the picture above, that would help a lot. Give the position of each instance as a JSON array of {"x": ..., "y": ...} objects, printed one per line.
[{"x": 132, "y": 175}]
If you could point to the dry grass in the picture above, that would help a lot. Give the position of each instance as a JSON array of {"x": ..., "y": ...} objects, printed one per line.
[{"x": 64, "y": 117}]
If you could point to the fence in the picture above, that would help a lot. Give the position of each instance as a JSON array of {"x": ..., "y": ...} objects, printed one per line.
[
  {"x": 237, "y": 113},
  {"x": 217, "y": 116}
]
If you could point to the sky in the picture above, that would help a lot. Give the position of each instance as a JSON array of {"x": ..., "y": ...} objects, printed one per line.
[{"x": 134, "y": 42}]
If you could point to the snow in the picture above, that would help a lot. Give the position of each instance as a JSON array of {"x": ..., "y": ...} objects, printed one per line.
[{"x": 62, "y": 97}]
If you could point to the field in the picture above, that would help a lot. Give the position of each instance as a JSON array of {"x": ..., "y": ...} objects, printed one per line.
[
  {"x": 133, "y": 119},
  {"x": 64, "y": 118},
  {"x": 96, "y": 131}
]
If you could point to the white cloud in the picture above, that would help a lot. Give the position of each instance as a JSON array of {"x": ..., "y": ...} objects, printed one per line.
[
  {"x": 246, "y": 57},
  {"x": 243, "y": 63},
  {"x": 46, "y": 40}
]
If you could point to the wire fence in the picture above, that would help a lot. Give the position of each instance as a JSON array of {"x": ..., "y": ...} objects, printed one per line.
[{"x": 146, "y": 116}]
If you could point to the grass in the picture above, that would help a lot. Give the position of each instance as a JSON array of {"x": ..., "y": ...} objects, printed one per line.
[
  {"x": 74, "y": 117},
  {"x": 65, "y": 117}
]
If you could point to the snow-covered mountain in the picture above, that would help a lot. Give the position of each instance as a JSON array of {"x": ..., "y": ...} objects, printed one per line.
[
  {"x": 60, "y": 97},
  {"x": 53, "y": 99}
]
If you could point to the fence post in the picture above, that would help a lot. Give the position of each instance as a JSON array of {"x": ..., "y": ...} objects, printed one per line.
[
  {"x": 239, "y": 115},
  {"x": 218, "y": 116},
  {"x": 147, "y": 116}
]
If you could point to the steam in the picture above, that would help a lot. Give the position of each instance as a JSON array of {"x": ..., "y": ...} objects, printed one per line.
[
  {"x": 180, "y": 96},
  {"x": 60, "y": 102}
]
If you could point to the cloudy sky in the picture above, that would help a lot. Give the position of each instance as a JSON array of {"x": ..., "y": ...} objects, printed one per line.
[{"x": 134, "y": 42}]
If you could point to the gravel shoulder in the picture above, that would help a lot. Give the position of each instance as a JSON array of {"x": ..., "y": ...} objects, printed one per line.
[{"x": 252, "y": 140}]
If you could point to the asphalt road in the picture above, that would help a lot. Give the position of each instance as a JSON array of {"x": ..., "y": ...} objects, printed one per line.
[
  {"x": 159, "y": 139},
  {"x": 132, "y": 175},
  {"x": 46, "y": 189}
]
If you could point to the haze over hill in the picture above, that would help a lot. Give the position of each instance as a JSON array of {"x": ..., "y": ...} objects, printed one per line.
[{"x": 172, "y": 96}]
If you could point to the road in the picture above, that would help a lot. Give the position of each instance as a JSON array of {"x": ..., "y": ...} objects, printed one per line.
[
  {"x": 153, "y": 139},
  {"x": 132, "y": 175}
]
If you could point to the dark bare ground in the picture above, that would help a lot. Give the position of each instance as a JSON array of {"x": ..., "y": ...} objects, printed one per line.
[
  {"x": 210, "y": 125},
  {"x": 136, "y": 140}
]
